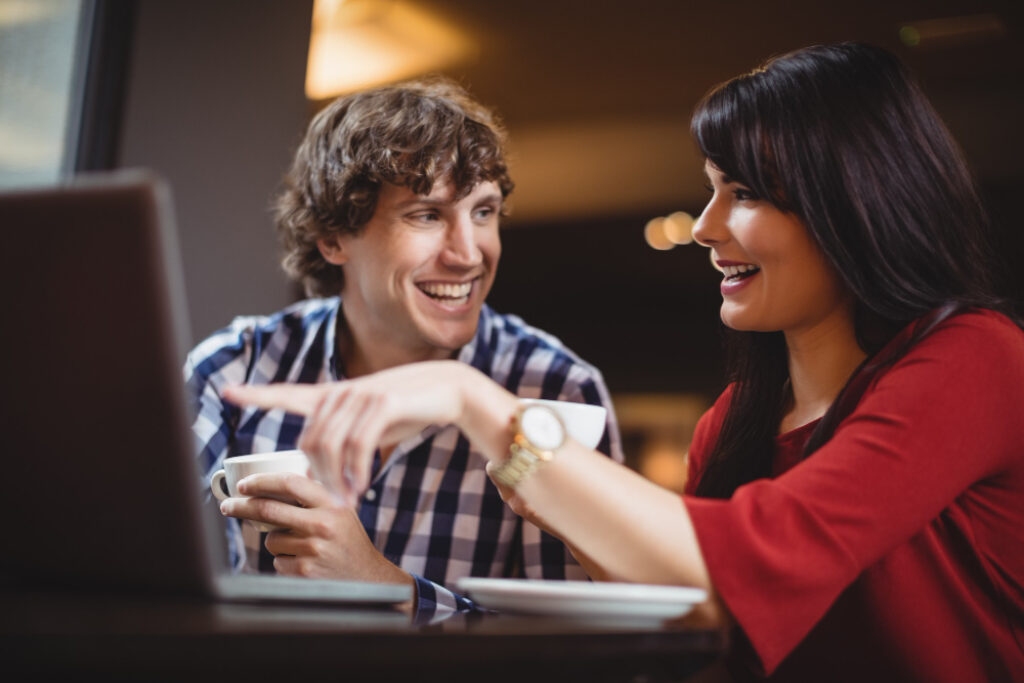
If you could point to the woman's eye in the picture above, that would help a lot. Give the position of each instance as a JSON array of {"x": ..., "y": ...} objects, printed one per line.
[
  {"x": 743, "y": 194},
  {"x": 707, "y": 186}
]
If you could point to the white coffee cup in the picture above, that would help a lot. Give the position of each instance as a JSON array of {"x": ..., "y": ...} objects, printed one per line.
[
  {"x": 583, "y": 422},
  {"x": 240, "y": 467}
]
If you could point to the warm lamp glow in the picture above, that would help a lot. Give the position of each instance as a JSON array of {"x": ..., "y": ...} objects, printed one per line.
[
  {"x": 654, "y": 233},
  {"x": 357, "y": 44},
  {"x": 948, "y": 30},
  {"x": 679, "y": 227},
  {"x": 665, "y": 232},
  {"x": 665, "y": 464}
]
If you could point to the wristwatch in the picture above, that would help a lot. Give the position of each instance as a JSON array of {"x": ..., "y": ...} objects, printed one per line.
[{"x": 539, "y": 432}]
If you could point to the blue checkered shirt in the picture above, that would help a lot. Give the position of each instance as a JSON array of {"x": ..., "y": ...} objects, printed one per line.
[{"x": 431, "y": 509}]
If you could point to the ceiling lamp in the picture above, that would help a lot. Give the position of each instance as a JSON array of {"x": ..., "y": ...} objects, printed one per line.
[{"x": 357, "y": 44}]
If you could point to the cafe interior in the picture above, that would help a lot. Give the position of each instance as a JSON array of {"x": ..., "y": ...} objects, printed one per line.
[{"x": 597, "y": 247}]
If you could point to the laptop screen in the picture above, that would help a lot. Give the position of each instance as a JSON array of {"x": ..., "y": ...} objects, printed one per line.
[{"x": 101, "y": 487}]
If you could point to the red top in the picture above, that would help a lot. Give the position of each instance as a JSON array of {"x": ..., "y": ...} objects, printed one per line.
[{"x": 896, "y": 551}]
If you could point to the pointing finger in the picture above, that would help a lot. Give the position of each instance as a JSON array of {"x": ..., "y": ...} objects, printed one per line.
[{"x": 301, "y": 399}]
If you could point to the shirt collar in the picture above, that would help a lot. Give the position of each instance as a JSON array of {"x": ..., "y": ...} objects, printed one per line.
[{"x": 332, "y": 357}]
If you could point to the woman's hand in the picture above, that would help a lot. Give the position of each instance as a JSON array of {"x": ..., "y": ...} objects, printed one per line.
[{"x": 347, "y": 421}]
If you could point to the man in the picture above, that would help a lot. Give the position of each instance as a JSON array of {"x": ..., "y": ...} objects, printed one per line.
[{"x": 391, "y": 211}]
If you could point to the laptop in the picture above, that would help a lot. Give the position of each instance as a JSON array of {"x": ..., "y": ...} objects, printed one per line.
[{"x": 101, "y": 485}]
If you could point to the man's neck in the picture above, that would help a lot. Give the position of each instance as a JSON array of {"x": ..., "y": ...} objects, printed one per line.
[{"x": 364, "y": 352}]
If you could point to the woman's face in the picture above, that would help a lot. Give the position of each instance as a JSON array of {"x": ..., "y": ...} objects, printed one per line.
[{"x": 774, "y": 276}]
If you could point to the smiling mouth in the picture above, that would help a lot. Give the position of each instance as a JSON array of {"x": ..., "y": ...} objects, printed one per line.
[
  {"x": 447, "y": 293},
  {"x": 737, "y": 273}
]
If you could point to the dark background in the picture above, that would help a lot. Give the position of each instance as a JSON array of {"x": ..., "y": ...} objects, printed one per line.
[{"x": 597, "y": 97}]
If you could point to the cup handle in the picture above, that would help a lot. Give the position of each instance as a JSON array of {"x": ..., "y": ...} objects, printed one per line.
[{"x": 217, "y": 485}]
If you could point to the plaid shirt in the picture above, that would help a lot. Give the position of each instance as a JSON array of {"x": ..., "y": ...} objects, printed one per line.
[{"x": 431, "y": 509}]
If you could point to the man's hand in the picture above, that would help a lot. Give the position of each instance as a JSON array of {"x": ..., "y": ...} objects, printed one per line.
[{"x": 320, "y": 539}]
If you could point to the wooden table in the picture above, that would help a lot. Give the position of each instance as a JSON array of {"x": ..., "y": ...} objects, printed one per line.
[{"x": 67, "y": 635}]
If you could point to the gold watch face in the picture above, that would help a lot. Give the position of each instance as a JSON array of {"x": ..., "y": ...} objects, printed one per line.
[{"x": 542, "y": 428}]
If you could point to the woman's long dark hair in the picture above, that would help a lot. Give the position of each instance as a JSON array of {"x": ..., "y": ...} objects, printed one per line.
[{"x": 842, "y": 137}]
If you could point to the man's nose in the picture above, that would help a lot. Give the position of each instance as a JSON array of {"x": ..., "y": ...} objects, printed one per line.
[{"x": 461, "y": 248}]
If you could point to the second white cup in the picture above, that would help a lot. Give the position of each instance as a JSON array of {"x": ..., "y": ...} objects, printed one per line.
[
  {"x": 224, "y": 482},
  {"x": 583, "y": 422}
]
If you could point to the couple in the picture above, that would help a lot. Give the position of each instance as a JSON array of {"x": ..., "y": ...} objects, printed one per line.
[{"x": 855, "y": 503}]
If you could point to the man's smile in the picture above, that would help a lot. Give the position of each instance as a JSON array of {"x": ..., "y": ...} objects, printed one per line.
[{"x": 448, "y": 293}]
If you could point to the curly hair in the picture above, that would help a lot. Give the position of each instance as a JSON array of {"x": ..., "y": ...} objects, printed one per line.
[{"x": 412, "y": 134}]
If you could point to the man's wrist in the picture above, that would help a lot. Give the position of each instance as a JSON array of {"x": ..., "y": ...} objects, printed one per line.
[{"x": 392, "y": 573}]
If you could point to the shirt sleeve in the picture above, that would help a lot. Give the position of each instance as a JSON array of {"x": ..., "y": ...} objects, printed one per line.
[
  {"x": 219, "y": 360},
  {"x": 435, "y": 603},
  {"x": 944, "y": 417}
]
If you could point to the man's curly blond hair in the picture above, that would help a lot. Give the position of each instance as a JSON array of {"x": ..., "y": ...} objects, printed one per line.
[{"x": 413, "y": 135}]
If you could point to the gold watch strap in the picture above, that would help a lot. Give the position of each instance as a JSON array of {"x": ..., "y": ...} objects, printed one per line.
[
  {"x": 523, "y": 457},
  {"x": 522, "y": 460}
]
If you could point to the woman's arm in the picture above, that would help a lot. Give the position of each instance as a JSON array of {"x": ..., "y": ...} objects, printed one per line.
[{"x": 633, "y": 529}]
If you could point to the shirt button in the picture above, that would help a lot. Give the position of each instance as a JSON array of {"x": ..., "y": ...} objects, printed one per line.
[{"x": 371, "y": 495}]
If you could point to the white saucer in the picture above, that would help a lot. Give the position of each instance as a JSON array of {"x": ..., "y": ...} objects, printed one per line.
[{"x": 582, "y": 598}]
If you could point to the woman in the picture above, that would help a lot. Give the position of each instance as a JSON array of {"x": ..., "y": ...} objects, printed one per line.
[{"x": 856, "y": 499}]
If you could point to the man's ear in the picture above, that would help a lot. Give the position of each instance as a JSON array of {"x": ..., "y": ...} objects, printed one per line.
[{"x": 332, "y": 250}]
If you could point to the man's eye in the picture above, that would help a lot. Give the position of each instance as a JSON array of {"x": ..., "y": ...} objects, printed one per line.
[
  {"x": 427, "y": 216},
  {"x": 485, "y": 212}
]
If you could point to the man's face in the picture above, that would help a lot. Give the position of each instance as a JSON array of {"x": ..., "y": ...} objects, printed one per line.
[{"x": 418, "y": 272}]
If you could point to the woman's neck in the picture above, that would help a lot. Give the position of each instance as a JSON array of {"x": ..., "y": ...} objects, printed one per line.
[{"x": 821, "y": 360}]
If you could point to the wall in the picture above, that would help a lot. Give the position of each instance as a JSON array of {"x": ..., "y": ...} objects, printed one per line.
[{"x": 215, "y": 104}]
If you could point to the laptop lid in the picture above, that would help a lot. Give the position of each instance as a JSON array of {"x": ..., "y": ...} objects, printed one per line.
[{"x": 102, "y": 485}]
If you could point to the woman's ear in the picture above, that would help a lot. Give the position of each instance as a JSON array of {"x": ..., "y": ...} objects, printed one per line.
[{"x": 332, "y": 250}]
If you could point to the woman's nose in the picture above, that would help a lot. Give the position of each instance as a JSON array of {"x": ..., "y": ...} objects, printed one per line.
[{"x": 707, "y": 229}]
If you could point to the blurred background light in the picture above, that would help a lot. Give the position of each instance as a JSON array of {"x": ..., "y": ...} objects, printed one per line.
[
  {"x": 664, "y": 462},
  {"x": 665, "y": 232},
  {"x": 910, "y": 36},
  {"x": 950, "y": 30},
  {"x": 678, "y": 227},
  {"x": 654, "y": 233},
  {"x": 358, "y": 44}
]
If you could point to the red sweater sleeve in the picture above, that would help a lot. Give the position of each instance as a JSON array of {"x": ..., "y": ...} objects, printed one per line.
[{"x": 943, "y": 420}]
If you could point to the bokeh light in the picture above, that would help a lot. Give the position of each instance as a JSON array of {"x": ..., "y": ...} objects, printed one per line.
[
  {"x": 679, "y": 227},
  {"x": 654, "y": 233}
]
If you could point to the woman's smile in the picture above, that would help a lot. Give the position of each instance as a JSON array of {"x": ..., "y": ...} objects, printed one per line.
[{"x": 736, "y": 276}]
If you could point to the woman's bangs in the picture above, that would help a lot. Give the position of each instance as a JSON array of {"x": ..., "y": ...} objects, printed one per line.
[
  {"x": 713, "y": 126},
  {"x": 731, "y": 136}
]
